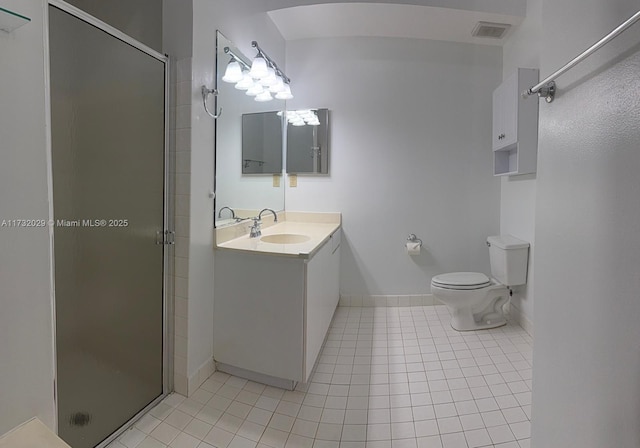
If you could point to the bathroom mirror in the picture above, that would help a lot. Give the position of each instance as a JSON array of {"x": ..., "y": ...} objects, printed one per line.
[
  {"x": 240, "y": 192},
  {"x": 262, "y": 143},
  {"x": 308, "y": 141}
]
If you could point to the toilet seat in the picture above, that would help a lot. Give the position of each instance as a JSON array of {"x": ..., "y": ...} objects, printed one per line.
[{"x": 461, "y": 280}]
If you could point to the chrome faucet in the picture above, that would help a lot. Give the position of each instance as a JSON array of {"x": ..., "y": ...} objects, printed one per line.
[
  {"x": 255, "y": 231},
  {"x": 275, "y": 217},
  {"x": 233, "y": 214}
]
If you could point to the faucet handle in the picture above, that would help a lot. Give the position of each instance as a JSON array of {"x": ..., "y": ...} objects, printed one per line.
[{"x": 255, "y": 231}]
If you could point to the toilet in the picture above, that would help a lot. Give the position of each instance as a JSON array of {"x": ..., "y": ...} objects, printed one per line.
[{"x": 475, "y": 300}]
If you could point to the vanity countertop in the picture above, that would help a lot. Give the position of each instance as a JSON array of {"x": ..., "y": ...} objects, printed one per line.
[{"x": 318, "y": 233}]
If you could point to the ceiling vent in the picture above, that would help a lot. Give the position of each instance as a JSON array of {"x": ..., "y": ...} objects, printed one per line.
[{"x": 490, "y": 30}]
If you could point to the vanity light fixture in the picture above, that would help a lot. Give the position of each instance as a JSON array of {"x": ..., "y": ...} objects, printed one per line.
[
  {"x": 278, "y": 86},
  {"x": 264, "y": 96},
  {"x": 270, "y": 79},
  {"x": 260, "y": 79},
  {"x": 303, "y": 117},
  {"x": 255, "y": 90},
  {"x": 259, "y": 68},
  {"x": 246, "y": 82},
  {"x": 233, "y": 73},
  {"x": 266, "y": 72},
  {"x": 285, "y": 94}
]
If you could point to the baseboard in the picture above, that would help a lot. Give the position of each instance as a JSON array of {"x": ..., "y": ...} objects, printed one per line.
[
  {"x": 200, "y": 376},
  {"x": 517, "y": 316},
  {"x": 257, "y": 377},
  {"x": 180, "y": 384},
  {"x": 386, "y": 300}
]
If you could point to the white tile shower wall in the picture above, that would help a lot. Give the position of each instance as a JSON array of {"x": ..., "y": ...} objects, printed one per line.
[{"x": 181, "y": 132}]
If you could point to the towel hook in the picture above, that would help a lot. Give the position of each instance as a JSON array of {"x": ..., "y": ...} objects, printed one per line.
[{"x": 205, "y": 96}]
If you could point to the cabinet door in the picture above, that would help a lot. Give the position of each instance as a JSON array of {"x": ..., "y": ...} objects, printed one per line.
[
  {"x": 496, "y": 141},
  {"x": 322, "y": 296},
  {"x": 510, "y": 96},
  {"x": 505, "y": 113}
]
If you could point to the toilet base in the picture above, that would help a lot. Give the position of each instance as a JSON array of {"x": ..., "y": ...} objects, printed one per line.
[
  {"x": 474, "y": 309},
  {"x": 464, "y": 320}
]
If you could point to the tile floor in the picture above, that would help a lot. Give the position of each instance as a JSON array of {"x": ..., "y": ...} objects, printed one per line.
[{"x": 386, "y": 377}]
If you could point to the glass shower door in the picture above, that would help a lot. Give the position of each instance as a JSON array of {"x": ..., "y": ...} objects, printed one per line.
[{"x": 108, "y": 118}]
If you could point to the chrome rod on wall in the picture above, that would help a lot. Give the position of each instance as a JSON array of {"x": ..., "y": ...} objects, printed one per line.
[
  {"x": 285, "y": 78},
  {"x": 547, "y": 87},
  {"x": 238, "y": 58}
]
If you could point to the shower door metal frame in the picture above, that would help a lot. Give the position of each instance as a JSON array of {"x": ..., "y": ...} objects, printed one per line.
[{"x": 168, "y": 252}]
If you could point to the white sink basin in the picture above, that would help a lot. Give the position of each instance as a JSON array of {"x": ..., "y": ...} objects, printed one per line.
[{"x": 285, "y": 238}]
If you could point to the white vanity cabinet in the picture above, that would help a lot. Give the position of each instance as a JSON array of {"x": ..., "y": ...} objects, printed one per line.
[
  {"x": 272, "y": 312},
  {"x": 515, "y": 125}
]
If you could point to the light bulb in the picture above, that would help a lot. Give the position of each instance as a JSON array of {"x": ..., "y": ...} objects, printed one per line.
[
  {"x": 306, "y": 114},
  {"x": 270, "y": 79},
  {"x": 233, "y": 73},
  {"x": 278, "y": 86},
  {"x": 255, "y": 89},
  {"x": 258, "y": 68},
  {"x": 285, "y": 94},
  {"x": 246, "y": 82},
  {"x": 264, "y": 96}
]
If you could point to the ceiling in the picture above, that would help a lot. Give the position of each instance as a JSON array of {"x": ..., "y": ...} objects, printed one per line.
[
  {"x": 509, "y": 7},
  {"x": 365, "y": 19}
]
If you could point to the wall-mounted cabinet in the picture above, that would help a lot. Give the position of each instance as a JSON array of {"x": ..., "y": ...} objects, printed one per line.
[{"x": 515, "y": 125}]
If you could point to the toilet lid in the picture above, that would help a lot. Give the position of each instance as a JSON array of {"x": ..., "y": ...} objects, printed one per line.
[{"x": 461, "y": 280}]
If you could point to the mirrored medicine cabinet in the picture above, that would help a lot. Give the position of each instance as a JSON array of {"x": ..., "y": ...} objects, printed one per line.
[
  {"x": 308, "y": 142},
  {"x": 252, "y": 139},
  {"x": 262, "y": 143}
]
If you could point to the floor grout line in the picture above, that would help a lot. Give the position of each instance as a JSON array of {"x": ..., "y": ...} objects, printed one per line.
[{"x": 385, "y": 377}]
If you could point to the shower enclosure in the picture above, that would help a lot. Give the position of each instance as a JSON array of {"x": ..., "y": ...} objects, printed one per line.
[{"x": 108, "y": 131}]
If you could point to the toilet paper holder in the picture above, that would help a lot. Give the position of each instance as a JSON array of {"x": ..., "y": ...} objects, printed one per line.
[{"x": 414, "y": 239}]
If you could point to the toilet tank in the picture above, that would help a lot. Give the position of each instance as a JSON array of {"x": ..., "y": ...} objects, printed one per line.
[{"x": 509, "y": 259}]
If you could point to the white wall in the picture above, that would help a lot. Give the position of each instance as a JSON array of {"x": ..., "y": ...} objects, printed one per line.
[
  {"x": 242, "y": 22},
  {"x": 518, "y": 193},
  {"x": 26, "y": 326},
  {"x": 177, "y": 28},
  {"x": 586, "y": 371},
  {"x": 410, "y": 153}
]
